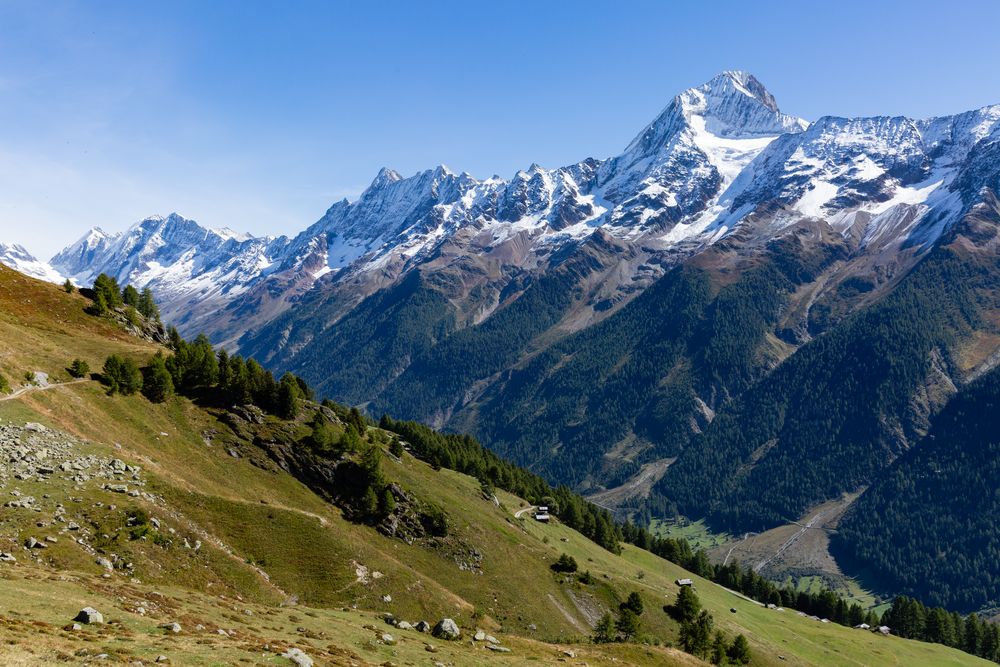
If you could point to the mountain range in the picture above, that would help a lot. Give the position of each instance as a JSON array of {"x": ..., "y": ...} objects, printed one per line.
[{"x": 740, "y": 317}]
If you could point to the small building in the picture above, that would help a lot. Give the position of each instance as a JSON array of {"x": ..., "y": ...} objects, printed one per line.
[
  {"x": 542, "y": 515},
  {"x": 684, "y": 582}
]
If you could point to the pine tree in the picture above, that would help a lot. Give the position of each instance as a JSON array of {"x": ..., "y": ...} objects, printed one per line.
[
  {"x": 633, "y": 603},
  {"x": 288, "y": 397},
  {"x": 130, "y": 296},
  {"x": 369, "y": 503},
  {"x": 687, "y": 605},
  {"x": 387, "y": 502},
  {"x": 121, "y": 375},
  {"x": 739, "y": 651},
  {"x": 696, "y": 635},
  {"x": 147, "y": 305},
  {"x": 719, "y": 649},
  {"x": 627, "y": 623},
  {"x": 396, "y": 448},
  {"x": 157, "y": 385},
  {"x": 604, "y": 631},
  {"x": 79, "y": 368},
  {"x": 68, "y": 286}
]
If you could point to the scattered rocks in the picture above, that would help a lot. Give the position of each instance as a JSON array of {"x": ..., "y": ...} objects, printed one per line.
[
  {"x": 447, "y": 629},
  {"x": 89, "y": 615},
  {"x": 105, "y": 563},
  {"x": 32, "y": 543}
]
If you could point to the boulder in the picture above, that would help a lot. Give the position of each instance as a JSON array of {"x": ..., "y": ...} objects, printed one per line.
[
  {"x": 480, "y": 636},
  {"x": 404, "y": 625},
  {"x": 422, "y": 626},
  {"x": 498, "y": 649},
  {"x": 298, "y": 657},
  {"x": 32, "y": 543},
  {"x": 447, "y": 629},
  {"x": 89, "y": 615},
  {"x": 7, "y": 558},
  {"x": 387, "y": 639},
  {"x": 173, "y": 628}
]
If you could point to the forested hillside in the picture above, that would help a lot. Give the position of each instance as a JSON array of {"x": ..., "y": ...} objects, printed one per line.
[
  {"x": 929, "y": 528},
  {"x": 839, "y": 410}
]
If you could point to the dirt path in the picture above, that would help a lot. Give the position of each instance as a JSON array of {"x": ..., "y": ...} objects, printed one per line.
[
  {"x": 517, "y": 514},
  {"x": 33, "y": 388}
]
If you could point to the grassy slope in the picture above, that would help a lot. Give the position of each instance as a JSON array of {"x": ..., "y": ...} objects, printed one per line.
[{"x": 309, "y": 551}]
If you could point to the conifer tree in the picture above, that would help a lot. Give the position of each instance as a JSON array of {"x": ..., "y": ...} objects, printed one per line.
[{"x": 157, "y": 385}]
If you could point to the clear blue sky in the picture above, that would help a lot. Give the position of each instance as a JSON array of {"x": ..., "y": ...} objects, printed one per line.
[{"x": 258, "y": 115}]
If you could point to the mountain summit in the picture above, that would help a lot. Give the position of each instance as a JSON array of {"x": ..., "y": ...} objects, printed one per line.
[{"x": 715, "y": 156}]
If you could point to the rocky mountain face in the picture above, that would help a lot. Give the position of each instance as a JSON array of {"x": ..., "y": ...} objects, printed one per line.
[{"x": 615, "y": 320}]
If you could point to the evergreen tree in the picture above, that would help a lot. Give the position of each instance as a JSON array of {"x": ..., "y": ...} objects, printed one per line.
[
  {"x": 68, "y": 287},
  {"x": 121, "y": 375},
  {"x": 633, "y": 603},
  {"x": 130, "y": 296},
  {"x": 627, "y": 623},
  {"x": 687, "y": 605},
  {"x": 369, "y": 503},
  {"x": 565, "y": 563},
  {"x": 288, "y": 397},
  {"x": 719, "y": 649},
  {"x": 604, "y": 631},
  {"x": 323, "y": 438},
  {"x": 696, "y": 635},
  {"x": 107, "y": 287},
  {"x": 79, "y": 368},
  {"x": 387, "y": 502},
  {"x": 739, "y": 651},
  {"x": 147, "y": 305},
  {"x": 396, "y": 447},
  {"x": 157, "y": 384}
]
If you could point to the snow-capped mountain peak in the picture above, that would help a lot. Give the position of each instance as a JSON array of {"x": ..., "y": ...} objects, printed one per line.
[{"x": 18, "y": 258}]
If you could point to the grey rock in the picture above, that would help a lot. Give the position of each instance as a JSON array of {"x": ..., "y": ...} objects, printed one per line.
[
  {"x": 89, "y": 615},
  {"x": 422, "y": 626},
  {"x": 174, "y": 628},
  {"x": 480, "y": 636},
  {"x": 298, "y": 657},
  {"x": 498, "y": 649},
  {"x": 447, "y": 629}
]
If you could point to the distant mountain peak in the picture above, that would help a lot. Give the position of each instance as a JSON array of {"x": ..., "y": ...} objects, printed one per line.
[{"x": 17, "y": 257}]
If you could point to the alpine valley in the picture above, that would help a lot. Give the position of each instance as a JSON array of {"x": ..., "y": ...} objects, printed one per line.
[{"x": 780, "y": 336}]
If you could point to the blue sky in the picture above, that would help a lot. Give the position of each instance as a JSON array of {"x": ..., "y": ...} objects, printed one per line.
[{"x": 259, "y": 115}]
